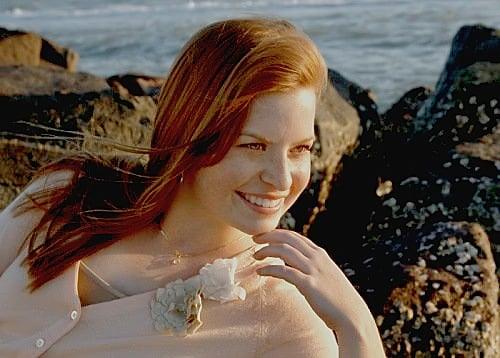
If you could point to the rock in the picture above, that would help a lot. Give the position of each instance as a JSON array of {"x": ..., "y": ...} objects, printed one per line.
[
  {"x": 19, "y": 48},
  {"x": 52, "y": 112},
  {"x": 19, "y": 161},
  {"x": 471, "y": 44},
  {"x": 442, "y": 292},
  {"x": 136, "y": 85},
  {"x": 400, "y": 116},
  {"x": 353, "y": 180},
  {"x": 54, "y": 55},
  {"x": 362, "y": 100},
  {"x": 432, "y": 159},
  {"x": 26, "y": 48},
  {"x": 38, "y": 81},
  {"x": 460, "y": 108}
]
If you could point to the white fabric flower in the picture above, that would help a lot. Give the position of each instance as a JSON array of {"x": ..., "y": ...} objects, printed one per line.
[
  {"x": 217, "y": 281},
  {"x": 177, "y": 307}
]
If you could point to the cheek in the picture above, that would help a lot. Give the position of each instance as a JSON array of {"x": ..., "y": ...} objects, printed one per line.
[
  {"x": 304, "y": 173},
  {"x": 301, "y": 175}
]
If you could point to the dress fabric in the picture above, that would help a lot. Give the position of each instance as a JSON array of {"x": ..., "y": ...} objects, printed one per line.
[{"x": 273, "y": 315}]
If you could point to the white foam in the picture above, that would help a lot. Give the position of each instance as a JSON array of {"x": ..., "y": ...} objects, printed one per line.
[{"x": 18, "y": 12}]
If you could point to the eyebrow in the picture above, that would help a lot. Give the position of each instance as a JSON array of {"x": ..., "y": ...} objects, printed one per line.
[{"x": 267, "y": 141}]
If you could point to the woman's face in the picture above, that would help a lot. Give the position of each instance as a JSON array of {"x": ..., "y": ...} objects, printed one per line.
[{"x": 264, "y": 171}]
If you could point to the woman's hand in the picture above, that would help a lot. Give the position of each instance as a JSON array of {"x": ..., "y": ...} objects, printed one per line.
[{"x": 325, "y": 287}]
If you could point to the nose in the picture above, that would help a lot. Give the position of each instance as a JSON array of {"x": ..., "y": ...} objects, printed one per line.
[{"x": 277, "y": 172}]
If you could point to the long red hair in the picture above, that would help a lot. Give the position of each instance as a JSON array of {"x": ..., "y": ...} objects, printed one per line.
[{"x": 202, "y": 107}]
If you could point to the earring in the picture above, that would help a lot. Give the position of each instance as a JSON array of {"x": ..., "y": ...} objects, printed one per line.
[{"x": 181, "y": 179}]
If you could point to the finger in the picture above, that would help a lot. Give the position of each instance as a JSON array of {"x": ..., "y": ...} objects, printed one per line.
[
  {"x": 289, "y": 254},
  {"x": 288, "y": 237},
  {"x": 287, "y": 273},
  {"x": 305, "y": 239}
]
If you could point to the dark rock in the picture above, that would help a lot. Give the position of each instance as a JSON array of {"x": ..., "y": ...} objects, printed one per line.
[
  {"x": 470, "y": 111},
  {"x": 398, "y": 118},
  {"x": 442, "y": 292},
  {"x": 362, "y": 100},
  {"x": 471, "y": 44},
  {"x": 469, "y": 80},
  {"x": 26, "y": 48},
  {"x": 431, "y": 159},
  {"x": 350, "y": 192},
  {"x": 136, "y": 85}
]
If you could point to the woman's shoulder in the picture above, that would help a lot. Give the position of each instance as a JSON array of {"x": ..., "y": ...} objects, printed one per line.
[
  {"x": 15, "y": 224},
  {"x": 294, "y": 328}
]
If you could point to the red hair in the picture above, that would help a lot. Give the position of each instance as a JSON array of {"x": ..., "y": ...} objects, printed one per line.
[{"x": 202, "y": 108}]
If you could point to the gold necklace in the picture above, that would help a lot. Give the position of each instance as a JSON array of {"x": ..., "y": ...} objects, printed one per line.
[{"x": 178, "y": 255}]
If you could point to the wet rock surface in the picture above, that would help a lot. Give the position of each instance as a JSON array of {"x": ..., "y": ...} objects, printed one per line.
[{"x": 406, "y": 201}]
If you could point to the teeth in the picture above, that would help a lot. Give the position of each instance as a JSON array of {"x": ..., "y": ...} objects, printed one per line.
[{"x": 265, "y": 203}]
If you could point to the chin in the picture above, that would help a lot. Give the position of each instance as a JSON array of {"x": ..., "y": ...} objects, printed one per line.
[{"x": 258, "y": 228}]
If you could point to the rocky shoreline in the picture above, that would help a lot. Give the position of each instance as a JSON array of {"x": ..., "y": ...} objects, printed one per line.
[{"x": 406, "y": 202}]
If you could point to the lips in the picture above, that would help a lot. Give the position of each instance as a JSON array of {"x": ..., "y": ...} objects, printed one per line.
[{"x": 260, "y": 204}]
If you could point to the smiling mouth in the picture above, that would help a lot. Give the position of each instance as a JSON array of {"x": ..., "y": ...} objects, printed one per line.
[{"x": 260, "y": 202}]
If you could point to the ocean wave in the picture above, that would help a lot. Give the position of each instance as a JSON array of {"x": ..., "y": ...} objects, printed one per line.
[
  {"x": 113, "y": 9},
  {"x": 19, "y": 12},
  {"x": 196, "y": 4},
  {"x": 118, "y": 9}
]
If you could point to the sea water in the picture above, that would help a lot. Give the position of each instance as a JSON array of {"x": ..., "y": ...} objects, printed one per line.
[{"x": 387, "y": 46}]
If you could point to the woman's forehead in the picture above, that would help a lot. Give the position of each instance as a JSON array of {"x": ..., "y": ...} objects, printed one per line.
[{"x": 282, "y": 114}]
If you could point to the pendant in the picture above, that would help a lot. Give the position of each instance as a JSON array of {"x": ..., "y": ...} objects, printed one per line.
[{"x": 177, "y": 259}]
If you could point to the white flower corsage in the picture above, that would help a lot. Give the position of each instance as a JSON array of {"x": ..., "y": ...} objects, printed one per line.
[{"x": 176, "y": 308}]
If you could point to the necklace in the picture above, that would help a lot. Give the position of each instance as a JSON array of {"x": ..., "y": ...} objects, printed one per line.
[{"x": 178, "y": 255}]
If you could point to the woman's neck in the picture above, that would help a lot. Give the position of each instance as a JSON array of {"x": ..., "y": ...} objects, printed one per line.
[{"x": 193, "y": 234}]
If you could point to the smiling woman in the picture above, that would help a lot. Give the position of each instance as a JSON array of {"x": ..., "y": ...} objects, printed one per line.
[
  {"x": 260, "y": 176},
  {"x": 182, "y": 255}
]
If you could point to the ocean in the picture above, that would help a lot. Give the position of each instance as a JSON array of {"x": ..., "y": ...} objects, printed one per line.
[{"x": 387, "y": 46}]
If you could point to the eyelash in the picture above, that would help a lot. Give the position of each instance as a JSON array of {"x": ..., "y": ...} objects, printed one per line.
[{"x": 262, "y": 146}]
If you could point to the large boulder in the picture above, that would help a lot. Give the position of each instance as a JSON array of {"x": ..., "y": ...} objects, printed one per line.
[
  {"x": 49, "y": 112},
  {"x": 27, "y": 48}
]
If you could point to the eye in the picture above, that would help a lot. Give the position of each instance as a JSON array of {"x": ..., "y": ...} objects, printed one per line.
[
  {"x": 303, "y": 148},
  {"x": 254, "y": 146}
]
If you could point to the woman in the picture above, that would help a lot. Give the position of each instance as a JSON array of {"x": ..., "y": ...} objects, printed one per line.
[{"x": 181, "y": 256}]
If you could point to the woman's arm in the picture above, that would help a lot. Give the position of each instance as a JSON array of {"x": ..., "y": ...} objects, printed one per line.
[{"x": 326, "y": 289}]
